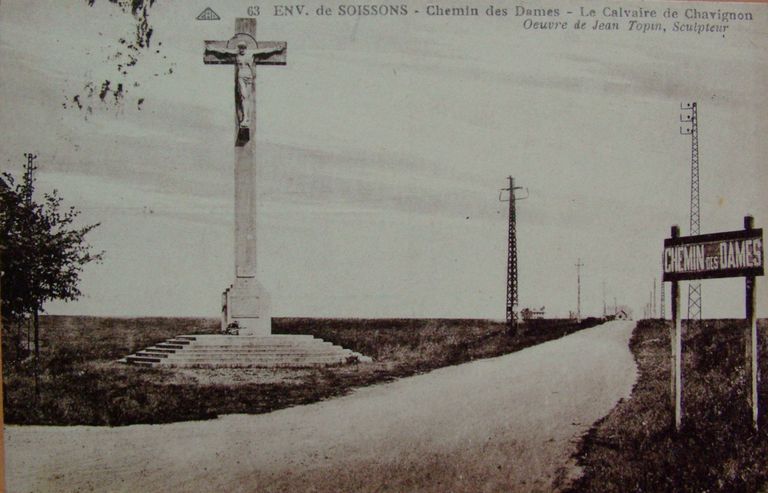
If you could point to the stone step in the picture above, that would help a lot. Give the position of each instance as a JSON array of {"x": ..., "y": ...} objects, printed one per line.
[
  {"x": 256, "y": 347},
  {"x": 253, "y": 363},
  {"x": 150, "y": 354},
  {"x": 256, "y": 359},
  {"x": 253, "y": 344},
  {"x": 142, "y": 359},
  {"x": 268, "y": 360},
  {"x": 229, "y": 364},
  {"x": 204, "y": 353},
  {"x": 248, "y": 338},
  {"x": 248, "y": 347},
  {"x": 212, "y": 350},
  {"x": 160, "y": 350},
  {"x": 166, "y": 345},
  {"x": 248, "y": 363},
  {"x": 265, "y": 356}
]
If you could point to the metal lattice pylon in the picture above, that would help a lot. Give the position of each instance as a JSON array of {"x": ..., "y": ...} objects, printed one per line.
[
  {"x": 512, "y": 291},
  {"x": 29, "y": 176},
  {"x": 690, "y": 117}
]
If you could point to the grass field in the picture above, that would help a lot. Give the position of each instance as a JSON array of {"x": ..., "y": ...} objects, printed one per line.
[
  {"x": 635, "y": 447},
  {"x": 81, "y": 383}
]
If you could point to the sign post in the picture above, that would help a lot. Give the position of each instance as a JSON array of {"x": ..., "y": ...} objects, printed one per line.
[
  {"x": 676, "y": 367},
  {"x": 752, "y": 340},
  {"x": 716, "y": 255}
]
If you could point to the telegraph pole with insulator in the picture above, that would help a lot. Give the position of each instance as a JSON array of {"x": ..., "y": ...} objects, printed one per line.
[
  {"x": 512, "y": 291},
  {"x": 690, "y": 119}
]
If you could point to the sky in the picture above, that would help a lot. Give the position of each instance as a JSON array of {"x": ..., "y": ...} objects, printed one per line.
[{"x": 382, "y": 145}]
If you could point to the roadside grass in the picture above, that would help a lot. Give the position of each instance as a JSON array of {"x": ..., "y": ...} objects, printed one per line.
[
  {"x": 82, "y": 384},
  {"x": 635, "y": 448},
  {"x": 414, "y": 345}
]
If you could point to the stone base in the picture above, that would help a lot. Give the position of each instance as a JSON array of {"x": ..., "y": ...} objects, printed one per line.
[
  {"x": 247, "y": 303},
  {"x": 243, "y": 136},
  {"x": 243, "y": 351}
]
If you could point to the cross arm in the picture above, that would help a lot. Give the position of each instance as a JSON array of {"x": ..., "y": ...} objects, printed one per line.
[{"x": 512, "y": 194}]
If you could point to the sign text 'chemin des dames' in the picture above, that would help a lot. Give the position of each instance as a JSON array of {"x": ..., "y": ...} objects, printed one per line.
[{"x": 726, "y": 254}]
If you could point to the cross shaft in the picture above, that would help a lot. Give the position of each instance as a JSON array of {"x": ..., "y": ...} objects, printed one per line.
[{"x": 245, "y": 303}]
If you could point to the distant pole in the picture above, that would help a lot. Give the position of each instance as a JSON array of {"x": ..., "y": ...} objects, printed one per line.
[
  {"x": 605, "y": 313},
  {"x": 662, "y": 310},
  {"x": 579, "y": 265},
  {"x": 512, "y": 290},
  {"x": 650, "y": 304},
  {"x": 752, "y": 340},
  {"x": 29, "y": 176},
  {"x": 1, "y": 359},
  {"x": 653, "y": 298},
  {"x": 677, "y": 343}
]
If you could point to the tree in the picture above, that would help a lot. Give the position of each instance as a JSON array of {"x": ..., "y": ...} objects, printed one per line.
[{"x": 43, "y": 252}]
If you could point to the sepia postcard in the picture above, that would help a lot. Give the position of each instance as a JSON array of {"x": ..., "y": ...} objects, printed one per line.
[{"x": 385, "y": 245}]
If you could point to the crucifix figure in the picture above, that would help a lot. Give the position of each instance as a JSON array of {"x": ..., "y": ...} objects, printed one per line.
[
  {"x": 245, "y": 61},
  {"x": 245, "y": 303},
  {"x": 244, "y": 52}
]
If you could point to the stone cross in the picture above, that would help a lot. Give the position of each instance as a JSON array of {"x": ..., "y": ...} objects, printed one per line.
[{"x": 245, "y": 302}]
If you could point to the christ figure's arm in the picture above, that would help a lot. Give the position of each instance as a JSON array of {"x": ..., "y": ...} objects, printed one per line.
[
  {"x": 265, "y": 51},
  {"x": 220, "y": 52}
]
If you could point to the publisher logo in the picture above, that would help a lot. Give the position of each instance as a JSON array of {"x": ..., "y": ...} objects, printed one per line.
[{"x": 208, "y": 15}]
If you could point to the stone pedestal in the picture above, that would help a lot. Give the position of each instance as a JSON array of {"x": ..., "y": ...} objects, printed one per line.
[{"x": 247, "y": 303}]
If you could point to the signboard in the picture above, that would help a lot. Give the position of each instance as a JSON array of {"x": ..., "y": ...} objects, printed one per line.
[{"x": 727, "y": 254}]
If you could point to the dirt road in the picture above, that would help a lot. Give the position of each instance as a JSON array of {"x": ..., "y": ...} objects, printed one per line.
[{"x": 502, "y": 424}]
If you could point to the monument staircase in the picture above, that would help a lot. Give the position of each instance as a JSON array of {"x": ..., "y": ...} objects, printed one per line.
[
  {"x": 238, "y": 351},
  {"x": 246, "y": 301}
]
